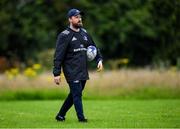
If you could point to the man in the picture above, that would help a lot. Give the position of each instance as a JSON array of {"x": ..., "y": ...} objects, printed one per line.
[{"x": 71, "y": 55}]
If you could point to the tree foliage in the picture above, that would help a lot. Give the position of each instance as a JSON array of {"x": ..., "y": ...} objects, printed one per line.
[{"x": 142, "y": 31}]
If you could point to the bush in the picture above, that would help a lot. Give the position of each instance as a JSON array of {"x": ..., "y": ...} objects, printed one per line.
[{"x": 46, "y": 58}]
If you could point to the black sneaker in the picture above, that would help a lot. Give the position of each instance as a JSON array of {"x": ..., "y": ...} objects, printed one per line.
[
  {"x": 83, "y": 120},
  {"x": 60, "y": 118}
]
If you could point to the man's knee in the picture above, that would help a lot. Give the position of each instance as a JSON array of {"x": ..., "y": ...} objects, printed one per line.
[{"x": 77, "y": 94}]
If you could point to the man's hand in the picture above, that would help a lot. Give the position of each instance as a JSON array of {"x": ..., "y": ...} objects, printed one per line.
[
  {"x": 57, "y": 80},
  {"x": 100, "y": 66}
]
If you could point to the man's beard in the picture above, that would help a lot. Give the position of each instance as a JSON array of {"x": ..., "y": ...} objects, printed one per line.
[{"x": 78, "y": 25}]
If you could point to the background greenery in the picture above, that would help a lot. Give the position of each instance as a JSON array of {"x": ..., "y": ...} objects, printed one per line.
[
  {"x": 146, "y": 32},
  {"x": 141, "y": 37}
]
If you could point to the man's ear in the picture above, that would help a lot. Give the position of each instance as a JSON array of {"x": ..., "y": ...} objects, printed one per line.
[{"x": 70, "y": 19}]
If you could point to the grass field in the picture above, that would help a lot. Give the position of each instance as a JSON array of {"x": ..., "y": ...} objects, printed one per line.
[{"x": 101, "y": 113}]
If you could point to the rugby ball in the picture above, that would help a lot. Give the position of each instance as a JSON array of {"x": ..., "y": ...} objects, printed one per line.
[{"x": 91, "y": 53}]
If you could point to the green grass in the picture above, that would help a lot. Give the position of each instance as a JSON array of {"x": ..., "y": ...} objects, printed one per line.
[
  {"x": 101, "y": 113},
  {"x": 148, "y": 92}
]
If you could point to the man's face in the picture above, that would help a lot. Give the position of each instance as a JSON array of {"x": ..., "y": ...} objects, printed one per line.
[{"x": 76, "y": 21}]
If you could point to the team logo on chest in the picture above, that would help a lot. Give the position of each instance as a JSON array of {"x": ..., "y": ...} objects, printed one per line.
[
  {"x": 81, "y": 45},
  {"x": 85, "y": 38}
]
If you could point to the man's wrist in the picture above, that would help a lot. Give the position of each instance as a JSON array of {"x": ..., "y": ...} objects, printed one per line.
[{"x": 100, "y": 60}]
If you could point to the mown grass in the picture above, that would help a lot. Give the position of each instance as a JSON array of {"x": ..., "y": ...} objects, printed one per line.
[{"x": 101, "y": 114}]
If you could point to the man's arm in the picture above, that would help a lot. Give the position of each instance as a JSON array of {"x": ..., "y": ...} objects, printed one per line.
[
  {"x": 98, "y": 58},
  {"x": 61, "y": 46}
]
